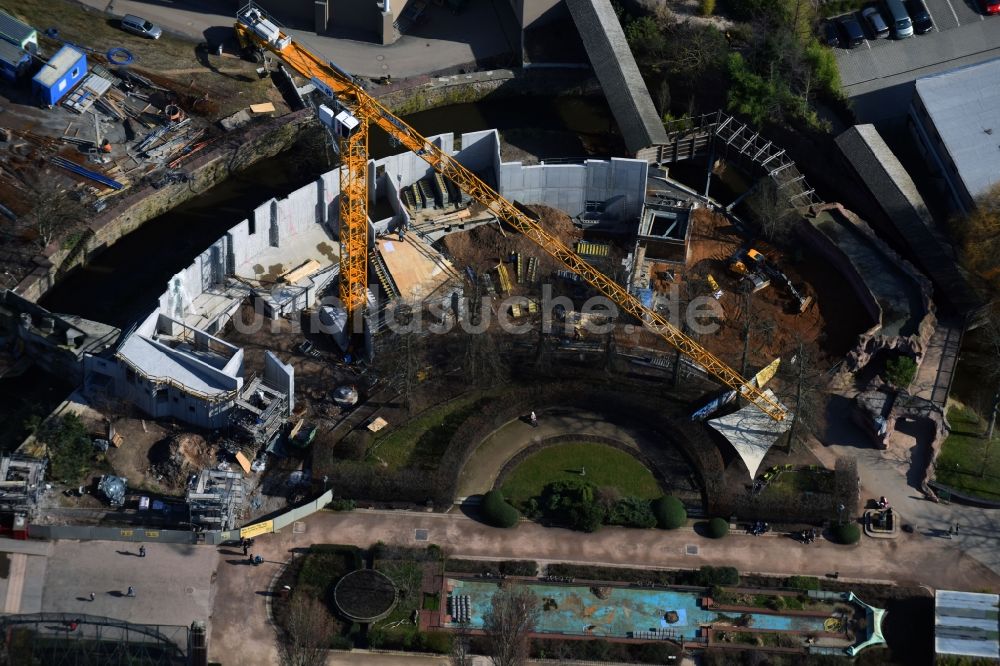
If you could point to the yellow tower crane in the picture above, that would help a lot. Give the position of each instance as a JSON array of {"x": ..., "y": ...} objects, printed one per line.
[{"x": 256, "y": 31}]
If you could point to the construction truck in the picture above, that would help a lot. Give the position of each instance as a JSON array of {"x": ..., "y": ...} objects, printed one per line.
[{"x": 751, "y": 266}]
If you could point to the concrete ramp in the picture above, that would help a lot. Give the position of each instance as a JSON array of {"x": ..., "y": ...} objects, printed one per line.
[{"x": 615, "y": 67}]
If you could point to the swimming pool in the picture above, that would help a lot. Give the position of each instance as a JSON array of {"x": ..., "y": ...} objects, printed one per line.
[{"x": 577, "y": 610}]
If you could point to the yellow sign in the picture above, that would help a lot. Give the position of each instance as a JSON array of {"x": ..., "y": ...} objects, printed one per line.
[
  {"x": 249, "y": 531},
  {"x": 127, "y": 533},
  {"x": 153, "y": 534}
]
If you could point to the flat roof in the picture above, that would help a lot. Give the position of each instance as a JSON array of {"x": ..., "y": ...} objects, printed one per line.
[
  {"x": 10, "y": 53},
  {"x": 966, "y": 624},
  {"x": 964, "y": 105},
  {"x": 59, "y": 64},
  {"x": 14, "y": 31},
  {"x": 156, "y": 362}
]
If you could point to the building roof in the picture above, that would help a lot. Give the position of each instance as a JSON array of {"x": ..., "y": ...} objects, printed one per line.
[
  {"x": 158, "y": 362},
  {"x": 10, "y": 53},
  {"x": 966, "y": 624},
  {"x": 964, "y": 105},
  {"x": 751, "y": 432},
  {"x": 615, "y": 67},
  {"x": 58, "y": 65},
  {"x": 14, "y": 31},
  {"x": 897, "y": 196}
]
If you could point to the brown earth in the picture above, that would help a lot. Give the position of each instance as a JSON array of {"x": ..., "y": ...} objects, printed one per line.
[{"x": 134, "y": 458}]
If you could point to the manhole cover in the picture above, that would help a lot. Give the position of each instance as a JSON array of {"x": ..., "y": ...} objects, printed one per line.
[
  {"x": 385, "y": 66},
  {"x": 691, "y": 549},
  {"x": 298, "y": 527},
  {"x": 189, "y": 590},
  {"x": 380, "y": 58},
  {"x": 420, "y": 535}
]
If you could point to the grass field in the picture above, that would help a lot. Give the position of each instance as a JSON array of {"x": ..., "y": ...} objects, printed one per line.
[
  {"x": 963, "y": 463},
  {"x": 800, "y": 481},
  {"x": 422, "y": 440},
  {"x": 605, "y": 465}
]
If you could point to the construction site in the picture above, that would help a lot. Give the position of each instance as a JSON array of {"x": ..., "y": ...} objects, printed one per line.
[{"x": 274, "y": 339}]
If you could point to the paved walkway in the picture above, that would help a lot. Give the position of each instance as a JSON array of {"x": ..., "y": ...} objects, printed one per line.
[
  {"x": 240, "y": 621},
  {"x": 895, "y": 473},
  {"x": 443, "y": 40}
]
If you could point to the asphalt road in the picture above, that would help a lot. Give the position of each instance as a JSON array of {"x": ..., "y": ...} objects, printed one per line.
[{"x": 878, "y": 75}]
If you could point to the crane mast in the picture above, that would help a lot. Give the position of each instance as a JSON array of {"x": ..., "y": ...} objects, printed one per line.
[{"x": 254, "y": 29}]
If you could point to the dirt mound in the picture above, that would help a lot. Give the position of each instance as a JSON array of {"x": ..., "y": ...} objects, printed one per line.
[
  {"x": 486, "y": 246},
  {"x": 176, "y": 457}
]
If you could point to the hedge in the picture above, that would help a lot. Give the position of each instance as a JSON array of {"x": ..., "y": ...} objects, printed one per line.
[
  {"x": 670, "y": 513},
  {"x": 505, "y": 567},
  {"x": 717, "y": 528},
  {"x": 497, "y": 512},
  {"x": 846, "y": 533}
]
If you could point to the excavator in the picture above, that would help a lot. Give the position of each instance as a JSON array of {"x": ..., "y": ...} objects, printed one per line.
[{"x": 258, "y": 35}]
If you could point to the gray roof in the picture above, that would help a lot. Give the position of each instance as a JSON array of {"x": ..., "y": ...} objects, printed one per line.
[
  {"x": 58, "y": 65},
  {"x": 14, "y": 31},
  {"x": 615, "y": 67},
  {"x": 156, "y": 361},
  {"x": 964, "y": 105},
  {"x": 897, "y": 196},
  {"x": 11, "y": 53},
  {"x": 966, "y": 623}
]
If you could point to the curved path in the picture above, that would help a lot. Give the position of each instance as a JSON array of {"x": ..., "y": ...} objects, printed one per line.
[{"x": 480, "y": 472}]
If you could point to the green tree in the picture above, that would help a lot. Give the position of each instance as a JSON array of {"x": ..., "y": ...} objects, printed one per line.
[
  {"x": 717, "y": 528},
  {"x": 670, "y": 513},
  {"x": 497, "y": 512},
  {"x": 69, "y": 445},
  {"x": 900, "y": 371}
]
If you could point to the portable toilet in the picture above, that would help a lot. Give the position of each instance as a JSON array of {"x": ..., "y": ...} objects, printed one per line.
[
  {"x": 18, "y": 33},
  {"x": 14, "y": 61},
  {"x": 58, "y": 76}
]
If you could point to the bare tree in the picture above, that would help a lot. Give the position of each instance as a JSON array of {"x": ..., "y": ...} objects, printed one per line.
[
  {"x": 508, "y": 623},
  {"x": 772, "y": 210},
  {"x": 809, "y": 382},
  {"x": 52, "y": 212},
  {"x": 308, "y": 631},
  {"x": 461, "y": 647},
  {"x": 991, "y": 372}
]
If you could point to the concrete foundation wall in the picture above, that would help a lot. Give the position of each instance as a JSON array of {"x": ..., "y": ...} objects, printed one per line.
[
  {"x": 619, "y": 184},
  {"x": 280, "y": 376}
]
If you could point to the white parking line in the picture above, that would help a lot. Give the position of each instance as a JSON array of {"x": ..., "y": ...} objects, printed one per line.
[
  {"x": 933, "y": 20},
  {"x": 953, "y": 12},
  {"x": 868, "y": 44}
]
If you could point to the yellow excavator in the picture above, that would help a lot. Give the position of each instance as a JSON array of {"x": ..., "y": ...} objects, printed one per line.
[{"x": 258, "y": 33}]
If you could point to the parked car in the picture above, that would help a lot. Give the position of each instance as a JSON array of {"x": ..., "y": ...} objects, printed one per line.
[
  {"x": 875, "y": 21},
  {"x": 902, "y": 26},
  {"x": 990, "y": 6},
  {"x": 852, "y": 32},
  {"x": 140, "y": 26},
  {"x": 922, "y": 21},
  {"x": 831, "y": 36}
]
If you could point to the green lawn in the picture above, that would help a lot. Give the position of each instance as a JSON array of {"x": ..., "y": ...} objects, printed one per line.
[
  {"x": 421, "y": 441},
  {"x": 605, "y": 465},
  {"x": 798, "y": 482},
  {"x": 963, "y": 464}
]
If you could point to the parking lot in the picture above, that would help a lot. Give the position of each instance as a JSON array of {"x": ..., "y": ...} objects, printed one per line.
[{"x": 962, "y": 35}]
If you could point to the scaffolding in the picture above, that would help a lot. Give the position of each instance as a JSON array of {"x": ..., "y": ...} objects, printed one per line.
[
  {"x": 20, "y": 483},
  {"x": 216, "y": 499}
]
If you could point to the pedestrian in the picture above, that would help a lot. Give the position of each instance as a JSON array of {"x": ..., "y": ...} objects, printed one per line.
[
  {"x": 142, "y": 551},
  {"x": 91, "y": 596},
  {"x": 956, "y": 528},
  {"x": 131, "y": 591},
  {"x": 533, "y": 418},
  {"x": 951, "y": 531},
  {"x": 246, "y": 548}
]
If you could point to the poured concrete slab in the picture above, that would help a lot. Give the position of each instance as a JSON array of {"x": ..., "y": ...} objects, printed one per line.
[{"x": 314, "y": 242}]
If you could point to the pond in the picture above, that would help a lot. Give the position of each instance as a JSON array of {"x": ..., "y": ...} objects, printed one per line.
[{"x": 577, "y": 610}]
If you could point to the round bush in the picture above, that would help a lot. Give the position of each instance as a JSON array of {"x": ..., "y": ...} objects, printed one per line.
[
  {"x": 497, "y": 512},
  {"x": 717, "y": 528},
  {"x": 846, "y": 533},
  {"x": 670, "y": 513}
]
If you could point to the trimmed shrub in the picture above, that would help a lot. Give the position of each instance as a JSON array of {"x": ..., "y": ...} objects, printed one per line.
[
  {"x": 803, "y": 582},
  {"x": 436, "y": 641},
  {"x": 717, "y": 528},
  {"x": 497, "y": 512},
  {"x": 342, "y": 505},
  {"x": 631, "y": 512},
  {"x": 670, "y": 513},
  {"x": 709, "y": 576},
  {"x": 846, "y": 533}
]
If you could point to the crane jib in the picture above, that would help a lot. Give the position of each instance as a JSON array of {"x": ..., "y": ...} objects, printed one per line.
[{"x": 369, "y": 110}]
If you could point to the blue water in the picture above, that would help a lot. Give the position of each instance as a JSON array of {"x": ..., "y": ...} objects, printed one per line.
[{"x": 579, "y": 611}]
